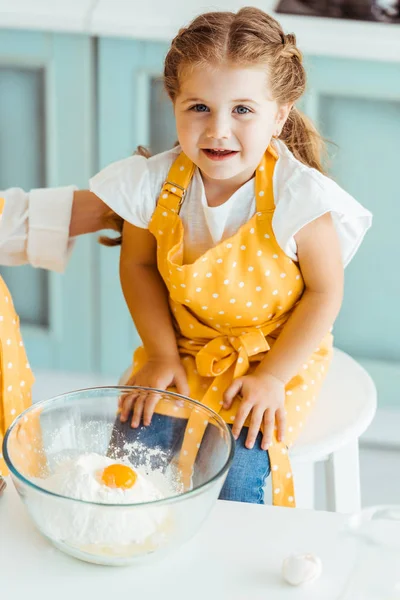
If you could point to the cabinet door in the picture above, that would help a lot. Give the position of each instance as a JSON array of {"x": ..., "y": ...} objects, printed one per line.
[
  {"x": 357, "y": 106},
  {"x": 133, "y": 110},
  {"x": 46, "y": 139}
]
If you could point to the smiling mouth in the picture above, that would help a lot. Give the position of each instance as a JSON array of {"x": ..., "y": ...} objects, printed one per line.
[{"x": 219, "y": 154}]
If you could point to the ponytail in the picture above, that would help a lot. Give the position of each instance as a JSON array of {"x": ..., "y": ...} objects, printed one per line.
[{"x": 303, "y": 140}]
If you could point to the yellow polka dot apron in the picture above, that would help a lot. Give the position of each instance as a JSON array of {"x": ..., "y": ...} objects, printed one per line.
[
  {"x": 16, "y": 377},
  {"x": 229, "y": 307}
]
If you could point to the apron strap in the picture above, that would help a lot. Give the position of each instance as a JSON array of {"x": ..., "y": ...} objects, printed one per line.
[
  {"x": 181, "y": 172},
  {"x": 264, "y": 181},
  {"x": 174, "y": 189}
]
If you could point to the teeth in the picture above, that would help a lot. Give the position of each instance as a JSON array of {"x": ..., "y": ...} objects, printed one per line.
[{"x": 219, "y": 151}]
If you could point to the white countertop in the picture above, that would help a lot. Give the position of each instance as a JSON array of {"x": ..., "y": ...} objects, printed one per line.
[
  {"x": 160, "y": 20},
  {"x": 237, "y": 555}
]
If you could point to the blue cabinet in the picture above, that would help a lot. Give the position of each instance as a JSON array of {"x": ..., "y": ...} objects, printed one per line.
[
  {"x": 132, "y": 111},
  {"x": 47, "y": 127}
]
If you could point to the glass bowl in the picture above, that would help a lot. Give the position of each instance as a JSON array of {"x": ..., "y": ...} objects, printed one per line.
[{"x": 57, "y": 451}]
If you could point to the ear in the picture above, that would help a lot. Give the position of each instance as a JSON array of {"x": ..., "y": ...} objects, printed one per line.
[{"x": 281, "y": 118}]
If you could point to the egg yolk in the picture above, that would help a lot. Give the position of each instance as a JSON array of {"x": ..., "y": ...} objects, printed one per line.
[{"x": 118, "y": 476}]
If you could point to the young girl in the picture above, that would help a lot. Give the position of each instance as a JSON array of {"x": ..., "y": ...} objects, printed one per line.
[{"x": 233, "y": 246}]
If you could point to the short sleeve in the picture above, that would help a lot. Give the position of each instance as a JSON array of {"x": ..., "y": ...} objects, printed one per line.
[
  {"x": 131, "y": 186},
  {"x": 307, "y": 196}
]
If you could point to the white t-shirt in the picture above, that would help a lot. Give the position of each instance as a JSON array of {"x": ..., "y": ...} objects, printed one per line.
[
  {"x": 34, "y": 227},
  {"x": 132, "y": 186}
]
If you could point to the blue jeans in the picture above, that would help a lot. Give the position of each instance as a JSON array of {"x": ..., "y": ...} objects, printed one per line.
[
  {"x": 250, "y": 468},
  {"x": 247, "y": 475}
]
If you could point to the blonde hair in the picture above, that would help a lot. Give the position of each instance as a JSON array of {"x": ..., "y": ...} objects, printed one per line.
[{"x": 248, "y": 37}]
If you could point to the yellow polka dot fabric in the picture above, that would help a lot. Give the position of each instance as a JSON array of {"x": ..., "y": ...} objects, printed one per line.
[
  {"x": 229, "y": 307},
  {"x": 16, "y": 377}
]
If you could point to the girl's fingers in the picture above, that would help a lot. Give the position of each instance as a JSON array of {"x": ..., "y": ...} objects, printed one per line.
[
  {"x": 255, "y": 424},
  {"x": 240, "y": 418},
  {"x": 182, "y": 386},
  {"x": 121, "y": 399},
  {"x": 269, "y": 423},
  {"x": 128, "y": 400},
  {"x": 138, "y": 411},
  {"x": 280, "y": 424},
  {"x": 130, "y": 381},
  {"x": 149, "y": 407},
  {"x": 232, "y": 392}
]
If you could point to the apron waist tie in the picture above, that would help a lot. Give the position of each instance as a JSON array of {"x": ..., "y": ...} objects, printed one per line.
[{"x": 220, "y": 353}]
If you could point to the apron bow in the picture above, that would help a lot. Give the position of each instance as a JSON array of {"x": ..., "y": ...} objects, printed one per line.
[{"x": 220, "y": 353}]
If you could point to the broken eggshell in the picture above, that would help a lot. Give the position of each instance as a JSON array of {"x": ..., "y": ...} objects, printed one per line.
[{"x": 298, "y": 569}]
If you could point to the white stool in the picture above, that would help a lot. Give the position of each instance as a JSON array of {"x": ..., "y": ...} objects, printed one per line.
[{"x": 343, "y": 411}]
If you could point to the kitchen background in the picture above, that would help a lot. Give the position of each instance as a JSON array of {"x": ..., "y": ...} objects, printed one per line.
[{"x": 80, "y": 88}]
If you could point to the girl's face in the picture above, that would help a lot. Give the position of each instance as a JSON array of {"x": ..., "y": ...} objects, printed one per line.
[{"x": 225, "y": 119}]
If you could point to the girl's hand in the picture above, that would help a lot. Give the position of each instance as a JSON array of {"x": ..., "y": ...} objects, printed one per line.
[
  {"x": 156, "y": 373},
  {"x": 264, "y": 396}
]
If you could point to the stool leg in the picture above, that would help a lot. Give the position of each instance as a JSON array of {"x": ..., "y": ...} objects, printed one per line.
[
  {"x": 303, "y": 477},
  {"x": 342, "y": 473}
]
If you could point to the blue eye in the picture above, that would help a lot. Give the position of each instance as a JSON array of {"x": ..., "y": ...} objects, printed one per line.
[
  {"x": 242, "y": 110},
  {"x": 199, "y": 108}
]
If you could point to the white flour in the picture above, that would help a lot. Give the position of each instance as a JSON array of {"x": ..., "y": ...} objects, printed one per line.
[
  {"x": 82, "y": 524},
  {"x": 78, "y": 478}
]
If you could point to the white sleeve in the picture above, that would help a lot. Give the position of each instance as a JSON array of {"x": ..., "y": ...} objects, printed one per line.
[
  {"x": 34, "y": 227},
  {"x": 309, "y": 196},
  {"x": 125, "y": 187},
  {"x": 131, "y": 186}
]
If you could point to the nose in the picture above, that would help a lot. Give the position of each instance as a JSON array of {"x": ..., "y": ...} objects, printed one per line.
[{"x": 218, "y": 127}]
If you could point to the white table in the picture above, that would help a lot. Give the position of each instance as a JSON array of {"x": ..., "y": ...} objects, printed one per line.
[{"x": 237, "y": 555}]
